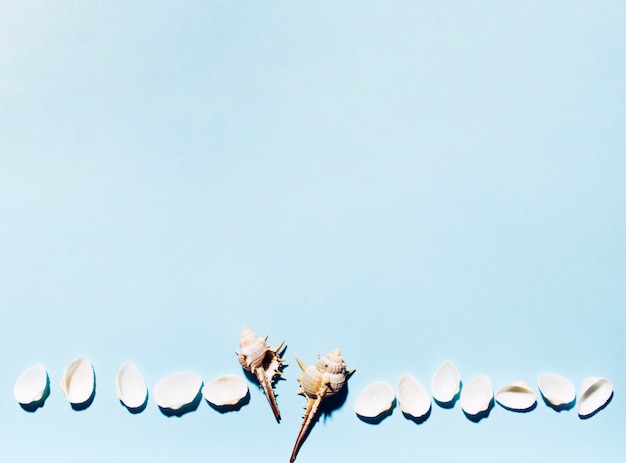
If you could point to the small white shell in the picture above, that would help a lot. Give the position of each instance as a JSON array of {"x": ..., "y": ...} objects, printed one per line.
[
  {"x": 556, "y": 389},
  {"x": 130, "y": 386},
  {"x": 375, "y": 400},
  {"x": 225, "y": 390},
  {"x": 446, "y": 383},
  {"x": 175, "y": 391},
  {"x": 31, "y": 385},
  {"x": 413, "y": 398},
  {"x": 595, "y": 394},
  {"x": 79, "y": 381},
  {"x": 477, "y": 395},
  {"x": 517, "y": 396}
]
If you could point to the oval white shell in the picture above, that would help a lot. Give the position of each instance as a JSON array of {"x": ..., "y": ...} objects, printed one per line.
[
  {"x": 413, "y": 398},
  {"x": 31, "y": 385},
  {"x": 177, "y": 390},
  {"x": 225, "y": 390},
  {"x": 79, "y": 381},
  {"x": 374, "y": 400},
  {"x": 556, "y": 389},
  {"x": 517, "y": 396},
  {"x": 595, "y": 393},
  {"x": 446, "y": 383},
  {"x": 130, "y": 386},
  {"x": 477, "y": 395}
]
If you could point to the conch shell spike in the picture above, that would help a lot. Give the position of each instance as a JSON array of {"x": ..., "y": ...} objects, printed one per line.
[
  {"x": 264, "y": 362},
  {"x": 319, "y": 381}
]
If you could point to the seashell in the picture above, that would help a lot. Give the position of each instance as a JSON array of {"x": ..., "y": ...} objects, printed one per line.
[
  {"x": 262, "y": 361},
  {"x": 79, "y": 383},
  {"x": 558, "y": 391},
  {"x": 175, "y": 394},
  {"x": 517, "y": 396},
  {"x": 413, "y": 398},
  {"x": 477, "y": 397},
  {"x": 595, "y": 394},
  {"x": 131, "y": 388},
  {"x": 318, "y": 382},
  {"x": 446, "y": 384},
  {"x": 225, "y": 391},
  {"x": 32, "y": 388},
  {"x": 375, "y": 401}
]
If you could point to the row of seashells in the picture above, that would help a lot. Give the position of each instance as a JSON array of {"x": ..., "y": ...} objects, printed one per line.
[
  {"x": 377, "y": 400},
  {"x": 172, "y": 393},
  {"x": 178, "y": 393}
]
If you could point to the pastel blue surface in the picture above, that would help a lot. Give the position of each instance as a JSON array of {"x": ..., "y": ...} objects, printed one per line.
[{"x": 408, "y": 181}]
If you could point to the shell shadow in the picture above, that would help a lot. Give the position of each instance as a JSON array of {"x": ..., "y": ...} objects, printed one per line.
[
  {"x": 452, "y": 402},
  {"x": 586, "y": 417},
  {"x": 34, "y": 406},
  {"x": 374, "y": 420},
  {"x": 188, "y": 408},
  {"x": 87, "y": 403},
  {"x": 479, "y": 416},
  {"x": 231, "y": 408},
  {"x": 517, "y": 410},
  {"x": 335, "y": 402},
  {"x": 559, "y": 408},
  {"x": 141, "y": 408},
  {"x": 418, "y": 420}
]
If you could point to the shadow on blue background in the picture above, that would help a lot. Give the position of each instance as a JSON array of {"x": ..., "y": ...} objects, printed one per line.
[
  {"x": 559, "y": 408},
  {"x": 33, "y": 406},
  {"x": 231, "y": 408},
  {"x": 141, "y": 408},
  {"x": 188, "y": 408},
  {"x": 87, "y": 403},
  {"x": 380, "y": 417},
  {"x": 482, "y": 415},
  {"x": 586, "y": 417}
]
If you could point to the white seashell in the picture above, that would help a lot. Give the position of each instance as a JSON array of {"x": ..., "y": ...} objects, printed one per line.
[
  {"x": 595, "y": 394},
  {"x": 175, "y": 391},
  {"x": 517, "y": 396},
  {"x": 225, "y": 390},
  {"x": 477, "y": 396},
  {"x": 375, "y": 400},
  {"x": 79, "y": 382},
  {"x": 413, "y": 397},
  {"x": 557, "y": 390},
  {"x": 31, "y": 385},
  {"x": 446, "y": 383},
  {"x": 130, "y": 387}
]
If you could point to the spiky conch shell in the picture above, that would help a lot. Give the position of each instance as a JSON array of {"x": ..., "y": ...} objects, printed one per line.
[
  {"x": 262, "y": 361},
  {"x": 319, "y": 381}
]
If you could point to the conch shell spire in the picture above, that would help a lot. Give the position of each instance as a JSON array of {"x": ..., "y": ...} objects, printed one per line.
[
  {"x": 319, "y": 381},
  {"x": 264, "y": 362}
]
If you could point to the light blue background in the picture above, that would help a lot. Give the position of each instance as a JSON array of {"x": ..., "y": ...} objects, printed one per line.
[{"x": 408, "y": 181}]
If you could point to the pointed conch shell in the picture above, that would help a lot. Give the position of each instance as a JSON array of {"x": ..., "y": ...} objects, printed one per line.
[
  {"x": 319, "y": 381},
  {"x": 79, "y": 383},
  {"x": 446, "y": 384},
  {"x": 517, "y": 396},
  {"x": 262, "y": 361},
  {"x": 413, "y": 398},
  {"x": 477, "y": 396},
  {"x": 131, "y": 388},
  {"x": 558, "y": 391},
  {"x": 225, "y": 390},
  {"x": 595, "y": 394},
  {"x": 375, "y": 400},
  {"x": 32, "y": 387}
]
